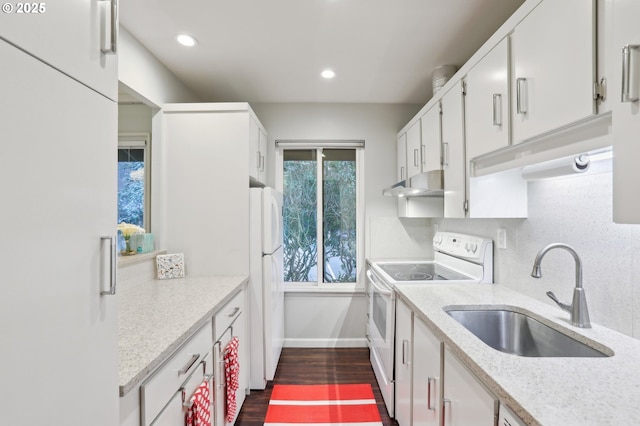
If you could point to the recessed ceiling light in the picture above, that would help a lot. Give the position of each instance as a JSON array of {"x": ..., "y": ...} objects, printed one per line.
[
  {"x": 328, "y": 74},
  {"x": 186, "y": 40}
]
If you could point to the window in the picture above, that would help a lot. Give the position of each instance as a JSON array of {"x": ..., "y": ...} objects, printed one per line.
[
  {"x": 321, "y": 216},
  {"x": 133, "y": 181}
]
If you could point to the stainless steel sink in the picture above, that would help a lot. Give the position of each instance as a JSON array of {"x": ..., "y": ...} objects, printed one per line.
[{"x": 520, "y": 334}]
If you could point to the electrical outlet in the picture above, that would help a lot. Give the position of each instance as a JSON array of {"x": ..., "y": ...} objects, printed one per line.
[{"x": 501, "y": 239}]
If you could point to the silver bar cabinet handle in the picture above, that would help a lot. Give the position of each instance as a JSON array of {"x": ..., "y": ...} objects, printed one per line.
[
  {"x": 445, "y": 153},
  {"x": 189, "y": 364},
  {"x": 415, "y": 157},
  {"x": 402, "y": 173},
  {"x": 261, "y": 162},
  {"x": 113, "y": 44},
  {"x": 497, "y": 109},
  {"x": 429, "y": 381},
  {"x": 405, "y": 349},
  {"x": 521, "y": 96},
  {"x": 258, "y": 160},
  {"x": 235, "y": 311},
  {"x": 626, "y": 73},
  {"x": 444, "y": 410},
  {"x": 112, "y": 266},
  {"x": 423, "y": 151}
]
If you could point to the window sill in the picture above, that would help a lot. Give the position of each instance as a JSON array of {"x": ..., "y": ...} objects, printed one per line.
[
  {"x": 342, "y": 290},
  {"x": 124, "y": 261}
]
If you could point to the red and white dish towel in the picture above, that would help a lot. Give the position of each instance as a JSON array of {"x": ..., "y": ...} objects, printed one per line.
[
  {"x": 231, "y": 373},
  {"x": 199, "y": 414}
]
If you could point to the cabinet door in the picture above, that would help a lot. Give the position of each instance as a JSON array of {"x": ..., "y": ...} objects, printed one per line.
[
  {"x": 426, "y": 376},
  {"x": 487, "y": 103},
  {"x": 626, "y": 115},
  {"x": 254, "y": 149},
  {"x": 453, "y": 148},
  {"x": 262, "y": 156},
  {"x": 58, "y": 159},
  {"x": 466, "y": 402},
  {"x": 68, "y": 35},
  {"x": 403, "y": 364},
  {"x": 401, "y": 164},
  {"x": 431, "y": 139},
  {"x": 553, "y": 54},
  {"x": 414, "y": 150}
]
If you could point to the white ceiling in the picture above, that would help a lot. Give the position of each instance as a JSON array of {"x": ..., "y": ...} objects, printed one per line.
[{"x": 383, "y": 51}]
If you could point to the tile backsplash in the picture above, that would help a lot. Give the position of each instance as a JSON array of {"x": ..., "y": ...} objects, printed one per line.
[
  {"x": 575, "y": 211},
  {"x": 572, "y": 210}
]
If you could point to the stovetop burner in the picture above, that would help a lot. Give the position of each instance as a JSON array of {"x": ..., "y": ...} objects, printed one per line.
[{"x": 420, "y": 272}]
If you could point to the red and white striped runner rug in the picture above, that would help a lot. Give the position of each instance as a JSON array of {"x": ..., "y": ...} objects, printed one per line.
[{"x": 323, "y": 405}]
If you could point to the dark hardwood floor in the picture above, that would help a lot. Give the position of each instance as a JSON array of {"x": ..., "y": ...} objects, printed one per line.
[{"x": 314, "y": 366}]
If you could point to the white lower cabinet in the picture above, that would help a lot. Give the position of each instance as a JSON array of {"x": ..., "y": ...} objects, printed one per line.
[
  {"x": 161, "y": 395},
  {"x": 404, "y": 331},
  {"x": 465, "y": 401},
  {"x": 426, "y": 375},
  {"x": 159, "y": 399},
  {"x": 229, "y": 322},
  {"x": 433, "y": 387}
]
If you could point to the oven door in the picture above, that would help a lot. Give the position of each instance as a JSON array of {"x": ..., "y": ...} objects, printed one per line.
[{"x": 382, "y": 317}]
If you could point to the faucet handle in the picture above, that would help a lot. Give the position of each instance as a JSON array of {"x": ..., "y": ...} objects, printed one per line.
[{"x": 563, "y": 306}]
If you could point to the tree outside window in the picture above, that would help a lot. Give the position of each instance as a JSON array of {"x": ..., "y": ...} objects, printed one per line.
[{"x": 338, "y": 217}]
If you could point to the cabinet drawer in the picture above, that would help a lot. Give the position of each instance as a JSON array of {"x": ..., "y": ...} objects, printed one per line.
[
  {"x": 227, "y": 314},
  {"x": 158, "y": 389}
]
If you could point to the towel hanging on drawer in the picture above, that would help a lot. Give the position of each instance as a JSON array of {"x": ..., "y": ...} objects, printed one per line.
[
  {"x": 231, "y": 373},
  {"x": 199, "y": 413}
]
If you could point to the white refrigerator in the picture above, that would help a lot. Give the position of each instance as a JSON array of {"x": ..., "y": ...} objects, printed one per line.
[{"x": 266, "y": 291}]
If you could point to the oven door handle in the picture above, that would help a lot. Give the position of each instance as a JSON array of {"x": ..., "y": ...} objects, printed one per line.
[{"x": 386, "y": 292}]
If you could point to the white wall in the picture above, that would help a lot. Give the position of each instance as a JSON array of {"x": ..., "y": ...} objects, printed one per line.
[
  {"x": 338, "y": 319},
  {"x": 134, "y": 118},
  {"x": 575, "y": 211},
  {"x": 148, "y": 80}
]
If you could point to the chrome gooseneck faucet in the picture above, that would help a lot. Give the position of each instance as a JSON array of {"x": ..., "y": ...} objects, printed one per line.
[{"x": 578, "y": 308}]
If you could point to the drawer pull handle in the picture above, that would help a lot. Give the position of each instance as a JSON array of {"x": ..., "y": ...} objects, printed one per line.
[
  {"x": 235, "y": 311},
  {"x": 188, "y": 366},
  {"x": 429, "y": 381},
  {"x": 626, "y": 73},
  {"x": 521, "y": 96},
  {"x": 497, "y": 109}
]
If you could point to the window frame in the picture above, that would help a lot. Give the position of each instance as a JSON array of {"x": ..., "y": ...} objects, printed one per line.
[
  {"x": 320, "y": 285},
  {"x": 137, "y": 141}
]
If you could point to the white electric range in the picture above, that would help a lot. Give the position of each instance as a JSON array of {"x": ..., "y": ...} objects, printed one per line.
[{"x": 458, "y": 259}]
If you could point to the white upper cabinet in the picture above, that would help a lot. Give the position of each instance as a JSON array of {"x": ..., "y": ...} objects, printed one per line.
[
  {"x": 262, "y": 145},
  {"x": 414, "y": 150},
  {"x": 257, "y": 151},
  {"x": 453, "y": 152},
  {"x": 401, "y": 165},
  {"x": 553, "y": 60},
  {"x": 71, "y": 36},
  {"x": 431, "y": 139},
  {"x": 487, "y": 103},
  {"x": 625, "y": 95}
]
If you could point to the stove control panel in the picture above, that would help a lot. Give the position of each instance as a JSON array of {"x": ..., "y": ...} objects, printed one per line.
[{"x": 465, "y": 246}]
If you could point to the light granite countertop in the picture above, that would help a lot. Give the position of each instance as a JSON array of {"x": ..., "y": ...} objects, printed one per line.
[
  {"x": 542, "y": 391},
  {"x": 157, "y": 316}
]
